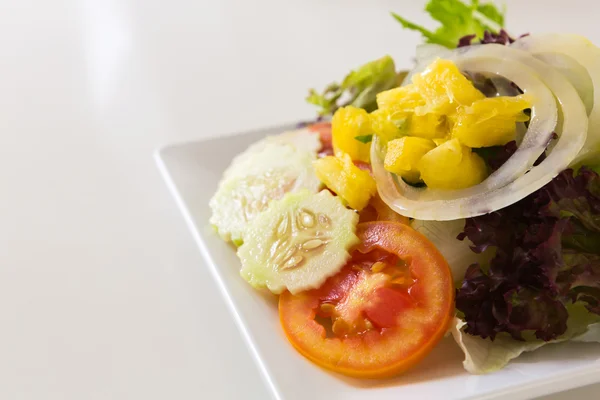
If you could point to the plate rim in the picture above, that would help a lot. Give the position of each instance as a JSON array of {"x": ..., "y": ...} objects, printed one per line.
[
  {"x": 579, "y": 377},
  {"x": 189, "y": 221}
]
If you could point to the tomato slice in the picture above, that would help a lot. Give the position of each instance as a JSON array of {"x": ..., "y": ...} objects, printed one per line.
[
  {"x": 382, "y": 313},
  {"x": 377, "y": 210},
  {"x": 324, "y": 131}
]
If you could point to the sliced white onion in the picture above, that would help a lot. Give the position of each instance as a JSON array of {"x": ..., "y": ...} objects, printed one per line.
[
  {"x": 517, "y": 177},
  {"x": 565, "y": 52},
  {"x": 575, "y": 73},
  {"x": 428, "y": 52}
]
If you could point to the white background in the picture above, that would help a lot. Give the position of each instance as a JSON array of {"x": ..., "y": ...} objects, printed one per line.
[{"x": 103, "y": 294}]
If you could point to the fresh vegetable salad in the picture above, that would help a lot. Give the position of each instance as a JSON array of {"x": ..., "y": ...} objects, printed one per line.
[{"x": 460, "y": 196}]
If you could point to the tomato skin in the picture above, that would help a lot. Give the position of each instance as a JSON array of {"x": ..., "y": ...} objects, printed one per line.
[{"x": 403, "y": 335}]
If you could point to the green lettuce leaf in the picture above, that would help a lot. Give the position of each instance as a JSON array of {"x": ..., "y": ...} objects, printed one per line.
[
  {"x": 457, "y": 20},
  {"x": 483, "y": 356},
  {"x": 359, "y": 87},
  {"x": 492, "y": 13}
]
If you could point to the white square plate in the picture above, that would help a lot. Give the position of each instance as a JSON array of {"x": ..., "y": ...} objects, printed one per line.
[{"x": 192, "y": 172}]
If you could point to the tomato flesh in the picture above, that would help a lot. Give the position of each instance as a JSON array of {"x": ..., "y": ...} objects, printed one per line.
[
  {"x": 395, "y": 303},
  {"x": 388, "y": 307}
]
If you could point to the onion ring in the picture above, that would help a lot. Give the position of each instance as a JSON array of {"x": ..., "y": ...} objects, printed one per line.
[{"x": 553, "y": 95}]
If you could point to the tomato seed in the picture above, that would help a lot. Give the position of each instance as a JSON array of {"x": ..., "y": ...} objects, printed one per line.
[
  {"x": 327, "y": 308},
  {"x": 340, "y": 327},
  {"x": 378, "y": 267}
]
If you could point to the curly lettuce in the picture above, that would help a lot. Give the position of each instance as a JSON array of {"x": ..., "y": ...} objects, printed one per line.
[
  {"x": 484, "y": 356},
  {"x": 547, "y": 257},
  {"x": 359, "y": 88}
]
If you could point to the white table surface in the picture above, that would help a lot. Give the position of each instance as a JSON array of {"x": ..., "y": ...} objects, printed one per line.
[{"x": 103, "y": 294}]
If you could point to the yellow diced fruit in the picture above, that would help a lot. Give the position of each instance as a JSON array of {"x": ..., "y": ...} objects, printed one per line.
[
  {"x": 491, "y": 121},
  {"x": 444, "y": 88},
  {"x": 452, "y": 166},
  {"x": 429, "y": 126},
  {"x": 403, "y": 155},
  {"x": 440, "y": 141},
  {"x": 353, "y": 185},
  {"x": 401, "y": 100},
  {"x": 386, "y": 127},
  {"x": 347, "y": 124}
]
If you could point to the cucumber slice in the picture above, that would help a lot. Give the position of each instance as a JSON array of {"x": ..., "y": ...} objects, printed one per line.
[
  {"x": 249, "y": 162},
  {"x": 265, "y": 171},
  {"x": 298, "y": 242}
]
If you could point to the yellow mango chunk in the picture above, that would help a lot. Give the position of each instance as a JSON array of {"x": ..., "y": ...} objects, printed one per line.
[
  {"x": 353, "y": 185},
  {"x": 451, "y": 166},
  {"x": 491, "y": 121},
  {"x": 404, "y": 154},
  {"x": 348, "y": 123},
  {"x": 401, "y": 100},
  {"x": 444, "y": 88},
  {"x": 385, "y": 126},
  {"x": 429, "y": 126}
]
